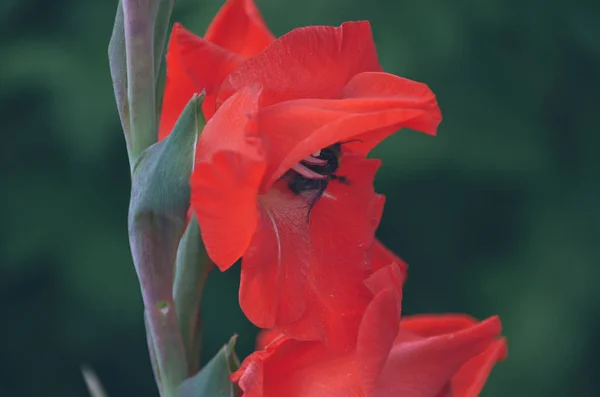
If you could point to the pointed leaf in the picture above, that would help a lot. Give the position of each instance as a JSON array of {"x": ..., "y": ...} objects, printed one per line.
[
  {"x": 161, "y": 31},
  {"x": 161, "y": 175},
  {"x": 213, "y": 379},
  {"x": 191, "y": 271},
  {"x": 234, "y": 363},
  {"x": 118, "y": 71}
]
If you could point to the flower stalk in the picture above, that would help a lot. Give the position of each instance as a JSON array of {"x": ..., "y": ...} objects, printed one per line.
[
  {"x": 157, "y": 218},
  {"x": 160, "y": 174}
]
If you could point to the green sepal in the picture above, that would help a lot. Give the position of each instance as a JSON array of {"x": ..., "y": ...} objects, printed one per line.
[
  {"x": 191, "y": 271},
  {"x": 160, "y": 196},
  {"x": 213, "y": 379},
  {"x": 161, "y": 174}
]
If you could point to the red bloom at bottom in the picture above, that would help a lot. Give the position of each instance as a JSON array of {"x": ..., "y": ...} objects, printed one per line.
[{"x": 420, "y": 356}]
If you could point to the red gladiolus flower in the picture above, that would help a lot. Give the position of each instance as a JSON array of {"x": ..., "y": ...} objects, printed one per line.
[
  {"x": 420, "y": 356},
  {"x": 281, "y": 177}
]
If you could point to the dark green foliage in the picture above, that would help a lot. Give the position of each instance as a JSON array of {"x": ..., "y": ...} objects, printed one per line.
[{"x": 499, "y": 214}]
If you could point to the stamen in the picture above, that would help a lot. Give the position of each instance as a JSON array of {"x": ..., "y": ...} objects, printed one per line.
[
  {"x": 317, "y": 153},
  {"x": 307, "y": 173},
  {"x": 314, "y": 161}
]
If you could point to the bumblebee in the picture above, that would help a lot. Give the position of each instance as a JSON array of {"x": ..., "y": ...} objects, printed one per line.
[{"x": 314, "y": 173}]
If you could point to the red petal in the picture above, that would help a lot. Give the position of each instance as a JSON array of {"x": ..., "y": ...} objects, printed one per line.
[
  {"x": 273, "y": 277},
  {"x": 267, "y": 336},
  {"x": 406, "y": 93},
  {"x": 295, "y": 129},
  {"x": 422, "y": 367},
  {"x": 389, "y": 277},
  {"x": 250, "y": 375},
  {"x": 297, "y": 369},
  {"x": 379, "y": 325},
  {"x": 228, "y": 170},
  {"x": 193, "y": 65},
  {"x": 240, "y": 28},
  {"x": 309, "y": 62},
  {"x": 437, "y": 324},
  {"x": 471, "y": 377},
  {"x": 342, "y": 227},
  {"x": 390, "y": 272}
]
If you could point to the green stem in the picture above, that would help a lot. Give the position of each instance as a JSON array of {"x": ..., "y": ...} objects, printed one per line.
[
  {"x": 160, "y": 198},
  {"x": 152, "y": 352},
  {"x": 154, "y": 249}
]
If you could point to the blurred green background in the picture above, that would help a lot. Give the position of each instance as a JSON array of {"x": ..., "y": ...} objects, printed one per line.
[{"x": 497, "y": 215}]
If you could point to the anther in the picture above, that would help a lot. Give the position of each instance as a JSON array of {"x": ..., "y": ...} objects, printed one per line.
[
  {"x": 314, "y": 161},
  {"x": 307, "y": 173}
]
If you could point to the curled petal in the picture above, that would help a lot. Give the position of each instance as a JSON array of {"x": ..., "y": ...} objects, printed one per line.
[
  {"x": 389, "y": 277},
  {"x": 291, "y": 368},
  {"x": 454, "y": 364},
  {"x": 229, "y": 167},
  {"x": 422, "y": 367},
  {"x": 471, "y": 377},
  {"x": 193, "y": 65},
  {"x": 427, "y": 325},
  {"x": 379, "y": 325},
  {"x": 300, "y": 127},
  {"x": 309, "y": 62},
  {"x": 239, "y": 28},
  {"x": 405, "y": 92}
]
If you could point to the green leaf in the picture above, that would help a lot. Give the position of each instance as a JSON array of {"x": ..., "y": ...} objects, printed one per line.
[
  {"x": 118, "y": 71},
  {"x": 93, "y": 383},
  {"x": 234, "y": 365},
  {"x": 160, "y": 182},
  {"x": 191, "y": 271},
  {"x": 213, "y": 379},
  {"x": 160, "y": 195},
  {"x": 161, "y": 31}
]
